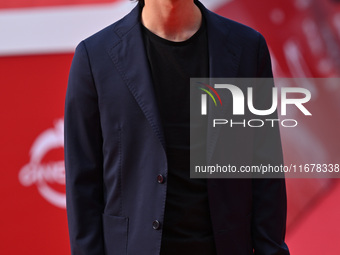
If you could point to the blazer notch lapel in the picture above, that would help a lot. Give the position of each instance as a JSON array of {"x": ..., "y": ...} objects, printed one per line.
[{"x": 129, "y": 57}]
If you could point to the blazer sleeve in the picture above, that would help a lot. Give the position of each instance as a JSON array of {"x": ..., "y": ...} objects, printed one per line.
[
  {"x": 269, "y": 195},
  {"x": 83, "y": 158}
]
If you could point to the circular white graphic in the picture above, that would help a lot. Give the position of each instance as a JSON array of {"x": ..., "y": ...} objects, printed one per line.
[{"x": 43, "y": 174}]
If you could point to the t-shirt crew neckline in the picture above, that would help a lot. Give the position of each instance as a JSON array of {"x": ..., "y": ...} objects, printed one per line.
[{"x": 159, "y": 39}]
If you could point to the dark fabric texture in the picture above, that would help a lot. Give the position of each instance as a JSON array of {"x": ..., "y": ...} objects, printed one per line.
[{"x": 115, "y": 148}]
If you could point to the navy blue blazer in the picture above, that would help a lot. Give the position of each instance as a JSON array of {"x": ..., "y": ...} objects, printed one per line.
[{"x": 114, "y": 148}]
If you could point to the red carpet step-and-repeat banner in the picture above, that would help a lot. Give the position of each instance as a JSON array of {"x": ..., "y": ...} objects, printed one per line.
[{"x": 37, "y": 41}]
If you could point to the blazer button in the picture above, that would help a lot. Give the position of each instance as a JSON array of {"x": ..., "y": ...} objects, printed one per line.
[
  {"x": 160, "y": 179},
  {"x": 156, "y": 224}
]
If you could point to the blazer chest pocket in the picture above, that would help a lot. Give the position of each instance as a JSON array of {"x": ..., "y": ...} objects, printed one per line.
[{"x": 115, "y": 230}]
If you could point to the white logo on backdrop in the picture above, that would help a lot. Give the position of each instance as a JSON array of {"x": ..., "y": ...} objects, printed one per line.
[{"x": 43, "y": 174}]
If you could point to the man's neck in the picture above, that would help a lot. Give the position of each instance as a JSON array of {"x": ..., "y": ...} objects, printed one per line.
[{"x": 174, "y": 20}]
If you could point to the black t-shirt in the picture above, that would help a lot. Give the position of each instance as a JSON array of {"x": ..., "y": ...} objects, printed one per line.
[{"x": 187, "y": 226}]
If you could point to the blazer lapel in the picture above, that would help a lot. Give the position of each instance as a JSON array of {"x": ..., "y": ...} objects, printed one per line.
[
  {"x": 224, "y": 58},
  {"x": 129, "y": 57}
]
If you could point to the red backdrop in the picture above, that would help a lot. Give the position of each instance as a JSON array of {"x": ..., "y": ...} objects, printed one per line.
[{"x": 303, "y": 37}]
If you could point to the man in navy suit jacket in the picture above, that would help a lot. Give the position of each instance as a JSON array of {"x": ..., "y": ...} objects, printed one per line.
[{"x": 117, "y": 169}]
